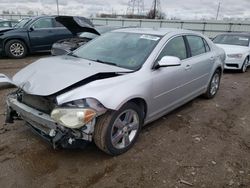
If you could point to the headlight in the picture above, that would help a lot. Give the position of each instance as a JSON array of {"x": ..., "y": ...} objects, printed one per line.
[
  {"x": 235, "y": 55},
  {"x": 73, "y": 117}
]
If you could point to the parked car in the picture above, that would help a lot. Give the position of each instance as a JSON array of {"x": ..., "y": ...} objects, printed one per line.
[
  {"x": 66, "y": 46},
  {"x": 237, "y": 48},
  {"x": 7, "y": 24},
  {"x": 106, "y": 90},
  {"x": 33, "y": 35}
]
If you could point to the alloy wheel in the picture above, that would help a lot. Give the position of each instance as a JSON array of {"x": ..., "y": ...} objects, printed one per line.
[
  {"x": 215, "y": 84},
  {"x": 16, "y": 49},
  {"x": 124, "y": 129}
]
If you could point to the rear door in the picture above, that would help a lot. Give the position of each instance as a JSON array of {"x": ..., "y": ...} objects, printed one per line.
[
  {"x": 60, "y": 32},
  {"x": 200, "y": 62}
]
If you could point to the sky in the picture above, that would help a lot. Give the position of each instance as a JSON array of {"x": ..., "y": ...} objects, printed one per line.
[{"x": 181, "y": 9}]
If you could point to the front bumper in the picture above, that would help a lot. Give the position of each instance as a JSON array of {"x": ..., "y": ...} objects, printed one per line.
[
  {"x": 43, "y": 125},
  {"x": 233, "y": 64}
]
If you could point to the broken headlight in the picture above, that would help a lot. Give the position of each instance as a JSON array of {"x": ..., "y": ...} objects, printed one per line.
[{"x": 73, "y": 117}]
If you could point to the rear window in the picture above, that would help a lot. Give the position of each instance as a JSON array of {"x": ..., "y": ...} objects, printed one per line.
[
  {"x": 232, "y": 40},
  {"x": 196, "y": 44}
]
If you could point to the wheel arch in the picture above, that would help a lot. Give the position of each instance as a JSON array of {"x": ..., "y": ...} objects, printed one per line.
[
  {"x": 220, "y": 69},
  {"x": 141, "y": 103}
]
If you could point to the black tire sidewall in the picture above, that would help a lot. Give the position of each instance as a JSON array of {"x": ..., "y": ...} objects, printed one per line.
[
  {"x": 7, "y": 49},
  {"x": 109, "y": 145},
  {"x": 245, "y": 61}
]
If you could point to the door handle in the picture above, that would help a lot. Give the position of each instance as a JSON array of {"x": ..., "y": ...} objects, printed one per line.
[{"x": 188, "y": 67}]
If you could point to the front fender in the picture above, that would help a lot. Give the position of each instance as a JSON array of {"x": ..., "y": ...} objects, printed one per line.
[{"x": 112, "y": 93}]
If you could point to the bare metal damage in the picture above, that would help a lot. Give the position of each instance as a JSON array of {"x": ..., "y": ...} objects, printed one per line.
[{"x": 46, "y": 127}]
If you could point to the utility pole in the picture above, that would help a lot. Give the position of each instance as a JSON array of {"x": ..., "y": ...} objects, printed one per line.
[
  {"x": 154, "y": 9},
  {"x": 57, "y": 6},
  {"x": 218, "y": 11}
]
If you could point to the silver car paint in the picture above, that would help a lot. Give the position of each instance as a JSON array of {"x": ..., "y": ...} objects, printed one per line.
[
  {"x": 162, "y": 90},
  {"x": 50, "y": 75}
]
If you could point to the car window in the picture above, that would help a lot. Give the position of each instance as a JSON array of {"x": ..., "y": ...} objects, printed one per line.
[
  {"x": 127, "y": 50},
  {"x": 43, "y": 23},
  {"x": 232, "y": 40},
  {"x": 175, "y": 47},
  {"x": 196, "y": 45},
  {"x": 206, "y": 45},
  {"x": 4, "y": 24}
]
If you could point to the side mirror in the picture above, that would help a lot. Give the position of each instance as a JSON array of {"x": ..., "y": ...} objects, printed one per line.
[
  {"x": 168, "y": 61},
  {"x": 31, "y": 28}
]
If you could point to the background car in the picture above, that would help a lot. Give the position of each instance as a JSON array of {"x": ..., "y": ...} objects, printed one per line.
[
  {"x": 7, "y": 24},
  {"x": 237, "y": 48},
  {"x": 106, "y": 90},
  {"x": 33, "y": 35},
  {"x": 65, "y": 46}
]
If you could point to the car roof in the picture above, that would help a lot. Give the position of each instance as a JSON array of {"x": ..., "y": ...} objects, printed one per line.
[{"x": 154, "y": 31}]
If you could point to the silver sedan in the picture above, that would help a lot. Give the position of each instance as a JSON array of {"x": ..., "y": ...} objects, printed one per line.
[{"x": 108, "y": 89}]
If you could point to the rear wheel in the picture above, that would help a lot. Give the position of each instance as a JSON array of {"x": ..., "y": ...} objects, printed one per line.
[
  {"x": 244, "y": 66},
  {"x": 117, "y": 131},
  {"x": 214, "y": 85},
  {"x": 16, "y": 49}
]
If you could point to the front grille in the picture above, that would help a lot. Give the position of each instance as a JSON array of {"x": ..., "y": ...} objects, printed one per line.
[
  {"x": 233, "y": 65},
  {"x": 43, "y": 104}
]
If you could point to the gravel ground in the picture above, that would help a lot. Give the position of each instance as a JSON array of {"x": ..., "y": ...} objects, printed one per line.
[{"x": 205, "y": 143}]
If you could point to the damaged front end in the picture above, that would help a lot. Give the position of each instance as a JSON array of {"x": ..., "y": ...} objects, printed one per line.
[{"x": 69, "y": 125}]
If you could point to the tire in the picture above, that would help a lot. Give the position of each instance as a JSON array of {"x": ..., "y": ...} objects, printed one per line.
[
  {"x": 244, "y": 66},
  {"x": 113, "y": 140},
  {"x": 16, "y": 49},
  {"x": 210, "y": 93}
]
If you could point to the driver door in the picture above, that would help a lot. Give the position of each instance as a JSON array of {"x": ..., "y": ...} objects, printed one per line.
[
  {"x": 41, "y": 34},
  {"x": 170, "y": 83}
]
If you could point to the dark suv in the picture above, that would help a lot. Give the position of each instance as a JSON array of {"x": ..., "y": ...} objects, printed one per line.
[{"x": 32, "y": 35}]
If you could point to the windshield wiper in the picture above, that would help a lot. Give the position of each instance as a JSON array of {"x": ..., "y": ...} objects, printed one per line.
[
  {"x": 105, "y": 62},
  {"x": 73, "y": 55}
]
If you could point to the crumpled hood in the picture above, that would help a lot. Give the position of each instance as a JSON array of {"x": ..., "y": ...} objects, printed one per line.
[
  {"x": 76, "y": 24},
  {"x": 51, "y": 75},
  {"x": 233, "y": 49}
]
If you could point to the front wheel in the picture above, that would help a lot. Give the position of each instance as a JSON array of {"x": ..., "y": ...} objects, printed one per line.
[
  {"x": 117, "y": 131},
  {"x": 214, "y": 85},
  {"x": 16, "y": 49}
]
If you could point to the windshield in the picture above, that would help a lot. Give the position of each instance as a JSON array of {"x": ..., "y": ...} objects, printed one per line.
[
  {"x": 22, "y": 23},
  {"x": 127, "y": 50},
  {"x": 232, "y": 40}
]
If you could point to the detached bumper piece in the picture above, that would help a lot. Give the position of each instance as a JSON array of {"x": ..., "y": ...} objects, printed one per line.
[{"x": 44, "y": 126}]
